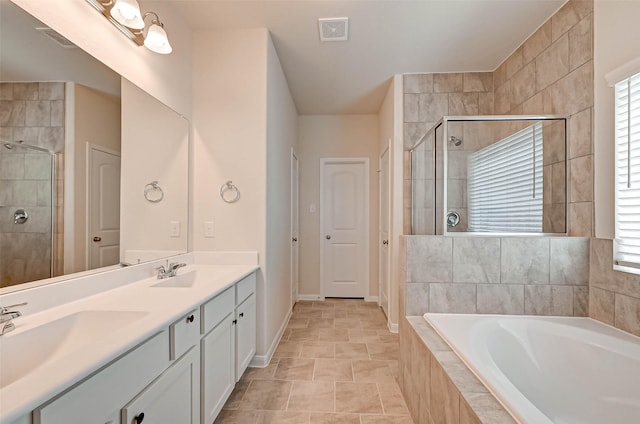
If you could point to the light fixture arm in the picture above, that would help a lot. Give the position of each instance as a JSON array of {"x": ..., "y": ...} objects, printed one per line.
[{"x": 156, "y": 20}]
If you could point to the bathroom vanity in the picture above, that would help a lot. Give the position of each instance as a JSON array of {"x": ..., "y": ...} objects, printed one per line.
[{"x": 153, "y": 351}]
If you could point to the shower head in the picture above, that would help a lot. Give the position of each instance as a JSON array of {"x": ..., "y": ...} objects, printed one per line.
[{"x": 455, "y": 140}]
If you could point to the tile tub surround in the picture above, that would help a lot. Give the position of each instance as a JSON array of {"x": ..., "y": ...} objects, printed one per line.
[
  {"x": 614, "y": 296},
  {"x": 437, "y": 385},
  {"x": 336, "y": 363},
  {"x": 497, "y": 275}
]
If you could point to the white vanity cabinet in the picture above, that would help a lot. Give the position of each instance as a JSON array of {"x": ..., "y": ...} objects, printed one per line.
[
  {"x": 245, "y": 334},
  {"x": 172, "y": 398}
]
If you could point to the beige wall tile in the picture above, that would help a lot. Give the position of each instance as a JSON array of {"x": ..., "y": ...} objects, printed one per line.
[
  {"x": 417, "y": 302},
  {"x": 580, "y": 219},
  {"x": 627, "y": 313},
  {"x": 418, "y": 83},
  {"x": 429, "y": 259},
  {"x": 433, "y": 106},
  {"x": 514, "y": 63},
  {"x": 467, "y": 416},
  {"x": 537, "y": 43},
  {"x": 38, "y": 113},
  {"x": 459, "y": 374},
  {"x": 502, "y": 99},
  {"x": 569, "y": 261},
  {"x": 569, "y": 15},
  {"x": 477, "y": 82},
  {"x": 463, "y": 104},
  {"x": 447, "y": 83},
  {"x": 533, "y": 106},
  {"x": 445, "y": 398},
  {"x": 500, "y": 75},
  {"x": 522, "y": 87},
  {"x": 452, "y": 298},
  {"x": 488, "y": 409},
  {"x": 581, "y": 179},
  {"x": 601, "y": 305},
  {"x": 13, "y": 113},
  {"x": 548, "y": 300},
  {"x": 6, "y": 91},
  {"x": 411, "y": 108},
  {"x": 500, "y": 299},
  {"x": 413, "y": 132},
  {"x": 581, "y": 43},
  {"x": 485, "y": 103},
  {"x": 581, "y": 301},
  {"x": 552, "y": 64},
  {"x": 558, "y": 183},
  {"x": 573, "y": 93},
  {"x": 524, "y": 261},
  {"x": 580, "y": 134},
  {"x": 476, "y": 260},
  {"x": 25, "y": 91},
  {"x": 51, "y": 90}
]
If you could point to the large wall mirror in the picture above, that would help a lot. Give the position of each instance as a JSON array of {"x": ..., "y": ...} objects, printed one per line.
[{"x": 93, "y": 170}]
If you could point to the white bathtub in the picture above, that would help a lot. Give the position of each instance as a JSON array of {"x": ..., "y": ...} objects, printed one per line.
[{"x": 550, "y": 369}]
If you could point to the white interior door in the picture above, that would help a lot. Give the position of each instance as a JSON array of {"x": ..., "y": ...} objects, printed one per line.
[
  {"x": 103, "y": 208},
  {"x": 384, "y": 232},
  {"x": 294, "y": 228},
  {"x": 344, "y": 226}
]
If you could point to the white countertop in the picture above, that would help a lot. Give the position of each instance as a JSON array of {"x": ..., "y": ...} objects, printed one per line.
[{"x": 161, "y": 306}]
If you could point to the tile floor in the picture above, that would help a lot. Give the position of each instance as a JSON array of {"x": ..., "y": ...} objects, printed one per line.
[{"x": 336, "y": 363}]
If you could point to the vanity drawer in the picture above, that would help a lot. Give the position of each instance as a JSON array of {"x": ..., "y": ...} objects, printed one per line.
[
  {"x": 183, "y": 334},
  {"x": 245, "y": 287},
  {"x": 217, "y": 309}
]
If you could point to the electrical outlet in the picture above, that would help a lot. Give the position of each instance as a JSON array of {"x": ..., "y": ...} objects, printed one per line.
[
  {"x": 174, "y": 229},
  {"x": 208, "y": 229},
  {"x": 312, "y": 208}
]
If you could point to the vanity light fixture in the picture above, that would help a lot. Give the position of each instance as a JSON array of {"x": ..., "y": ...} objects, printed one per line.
[{"x": 126, "y": 16}]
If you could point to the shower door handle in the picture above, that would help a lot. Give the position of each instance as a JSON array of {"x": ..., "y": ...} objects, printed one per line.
[{"x": 97, "y": 239}]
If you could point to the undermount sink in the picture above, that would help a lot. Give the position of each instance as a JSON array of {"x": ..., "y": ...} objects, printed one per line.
[
  {"x": 184, "y": 280},
  {"x": 22, "y": 352}
]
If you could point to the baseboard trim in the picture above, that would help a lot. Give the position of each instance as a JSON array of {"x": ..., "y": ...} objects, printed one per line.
[
  {"x": 371, "y": 299},
  {"x": 310, "y": 297},
  {"x": 262, "y": 361},
  {"x": 392, "y": 327}
]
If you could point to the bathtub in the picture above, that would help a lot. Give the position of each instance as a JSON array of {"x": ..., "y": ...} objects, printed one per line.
[{"x": 548, "y": 370}]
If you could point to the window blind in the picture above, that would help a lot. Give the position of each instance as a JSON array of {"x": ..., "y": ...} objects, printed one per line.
[
  {"x": 504, "y": 184},
  {"x": 627, "y": 165}
]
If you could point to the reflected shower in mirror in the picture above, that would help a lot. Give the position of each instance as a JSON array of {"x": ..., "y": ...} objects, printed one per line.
[
  {"x": 57, "y": 98},
  {"x": 503, "y": 174}
]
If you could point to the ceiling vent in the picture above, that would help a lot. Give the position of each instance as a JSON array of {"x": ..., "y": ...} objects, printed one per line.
[
  {"x": 334, "y": 29},
  {"x": 57, "y": 38}
]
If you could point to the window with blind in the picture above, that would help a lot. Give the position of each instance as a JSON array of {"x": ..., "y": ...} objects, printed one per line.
[
  {"x": 504, "y": 184},
  {"x": 627, "y": 165}
]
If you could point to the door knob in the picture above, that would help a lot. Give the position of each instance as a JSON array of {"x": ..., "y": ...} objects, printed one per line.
[
  {"x": 294, "y": 239},
  {"x": 97, "y": 239},
  {"x": 385, "y": 242},
  {"x": 328, "y": 237}
]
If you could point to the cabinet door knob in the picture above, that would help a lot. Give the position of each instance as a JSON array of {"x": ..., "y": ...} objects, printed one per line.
[
  {"x": 241, "y": 314},
  {"x": 139, "y": 418},
  {"x": 235, "y": 321},
  {"x": 190, "y": 318},
  {"x": 97, "y": 239}
]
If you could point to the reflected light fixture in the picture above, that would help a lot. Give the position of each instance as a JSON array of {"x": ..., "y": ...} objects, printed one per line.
[{"x": 126, "y": 16}]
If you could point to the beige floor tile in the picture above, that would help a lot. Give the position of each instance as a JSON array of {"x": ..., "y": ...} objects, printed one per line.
[
  {"x": 354, "y": 313},
  {"x": 308, "y": 313},
  {"x": 294, "y": 369},
  {"x": 333, "y": 370},
  {"x": 375, "y": 324},
  {"x": 385, "y": 419},
  {"x": 266, "y": 394},
  {"x": 392, "y": 400},
  {"x": 389, "y": 338},
  {"x": 358, "y": 398},
  {"x": 288, "y": 350},
  {"x": 261, "y": 373},
  {"x": 229, "y": 416},
  {"x": 321, "y": 304},
  {"x": 317, "y": 418},
  {"x": 372, "y": 371},
  {"x": 298, "y": 322},
  {"x": 333, "y": 334},
  {"x": 335, "y": 313},
  {"x": 321, "y": 323},
  {"x": 238, "y": 393},
  {"x": 383, "y": 350},
  {"x": 363, "y": 336},
  {"x": 351, "y": 351},
  {"x": 318, "y": 350},
  {"x": 312, "y": 396},
  {"x": 283, "y": 417},
  {"x": 303, "y": 334},
  {"x": 347, "y": 323}
]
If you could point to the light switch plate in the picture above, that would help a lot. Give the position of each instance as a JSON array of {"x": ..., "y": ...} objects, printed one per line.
[
  {"x": 208, "y": 229},
  {"x": 174, "y": 229}
]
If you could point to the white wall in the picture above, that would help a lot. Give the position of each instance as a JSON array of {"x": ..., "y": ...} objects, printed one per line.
[
  {"x": 616, "y": 42},
  {"x": 282, "y": 121},
  {"x": 229, "y": 143},
  {"x": 155, "y": 147},
  {"x": 95, "y": 118},
  {"x": 391, "y": 136},
  {"x": 323, "y": 136},
  {"x": 166, "y": 77}
]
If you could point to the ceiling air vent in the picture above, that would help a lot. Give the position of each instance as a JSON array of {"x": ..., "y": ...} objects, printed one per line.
[
  {"x": 57, "y": 38},
  {"x": 334, "y": 29}
]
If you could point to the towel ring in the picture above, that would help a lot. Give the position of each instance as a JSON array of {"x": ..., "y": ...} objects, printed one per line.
[
  {"x": 229, "y": 192},
  {"x": 153, "y": 192}
]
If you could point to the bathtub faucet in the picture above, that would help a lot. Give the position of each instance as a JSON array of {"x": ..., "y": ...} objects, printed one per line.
[{"x": 7, "y": 316}]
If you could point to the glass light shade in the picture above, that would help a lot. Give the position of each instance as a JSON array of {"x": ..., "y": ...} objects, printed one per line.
[
  {"x": 127, "y": 13},
  {"x": 156, "y": 40}
]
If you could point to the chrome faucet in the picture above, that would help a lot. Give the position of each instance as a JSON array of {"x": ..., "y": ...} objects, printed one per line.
[
  {"x": 170, "y": 271},
  {"x": 7, "y": 316}
]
